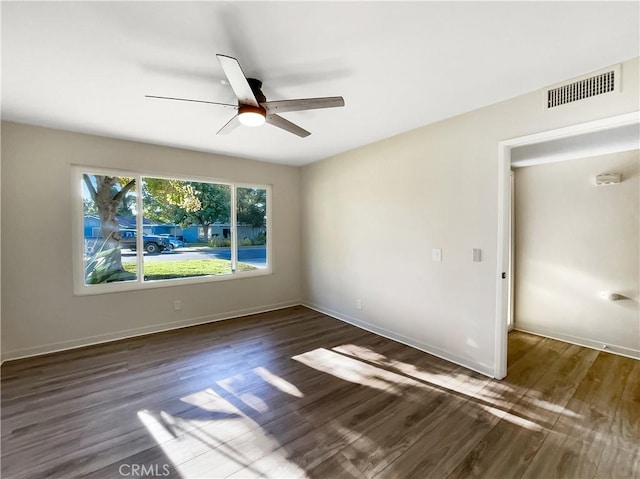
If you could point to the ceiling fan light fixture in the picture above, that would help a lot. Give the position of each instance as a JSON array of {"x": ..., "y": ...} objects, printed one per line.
[{"x": 251, "y": 115}]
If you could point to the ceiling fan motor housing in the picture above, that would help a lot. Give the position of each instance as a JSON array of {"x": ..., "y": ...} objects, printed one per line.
[
  {"x": 256, "y": 87},
  {"x": 253, "y": 115}
]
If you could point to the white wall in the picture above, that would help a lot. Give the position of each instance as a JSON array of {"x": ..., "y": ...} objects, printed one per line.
[
  {"x": 573, "y": 241},
  {"x": 40, "y": 312},
  {"x": 439, "y": 186}
]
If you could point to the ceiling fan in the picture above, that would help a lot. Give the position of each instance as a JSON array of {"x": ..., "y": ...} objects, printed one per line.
[{"x": 253, "y": 107}]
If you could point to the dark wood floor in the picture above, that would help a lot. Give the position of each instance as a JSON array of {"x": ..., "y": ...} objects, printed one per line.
[{"x": 294, "y": 393}]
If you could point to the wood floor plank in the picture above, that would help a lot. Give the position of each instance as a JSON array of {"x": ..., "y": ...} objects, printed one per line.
[
  {"x": 437, "y": 453},
  {"x": 446, "y": 454},
  {"x": 525, "y": 373},
  {"x": 515, "y": 439},
  {"x": 619, "y": 463},
  {"x": 520, "y": 344},
  {"x": 545, "y": 400},
  {"x": 295, "y": 393},
  {"x": 491, "y": 458},
  {"x": 577, "y": 441},
  {"x": 626, "y": 422},
  {"x": 380, "y": 446},
  {"x": 335, "y": 466}
]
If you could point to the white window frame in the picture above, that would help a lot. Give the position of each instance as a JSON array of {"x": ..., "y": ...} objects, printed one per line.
[{"x": 80, "y": 288}]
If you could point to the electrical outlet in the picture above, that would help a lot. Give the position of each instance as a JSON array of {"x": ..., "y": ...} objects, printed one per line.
[
  {"x": 177, "y": 305},
  {"x": 358, "y": 304}
]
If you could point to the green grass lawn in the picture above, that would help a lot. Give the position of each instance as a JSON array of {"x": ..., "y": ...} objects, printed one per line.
[{"x": 186, "y": 268}]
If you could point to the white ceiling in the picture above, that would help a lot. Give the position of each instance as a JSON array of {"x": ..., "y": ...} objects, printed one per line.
[{"x": 86, "y": 66}]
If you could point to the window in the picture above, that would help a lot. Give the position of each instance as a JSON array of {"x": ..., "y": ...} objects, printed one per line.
[{"x": 146, "y": 231}]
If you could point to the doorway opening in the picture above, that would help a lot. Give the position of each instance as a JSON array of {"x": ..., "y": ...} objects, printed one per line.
[{"x": 504, "y": 294}]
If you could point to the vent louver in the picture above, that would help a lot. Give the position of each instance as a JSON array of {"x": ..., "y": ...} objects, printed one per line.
[{"x": 584, "y": 87}]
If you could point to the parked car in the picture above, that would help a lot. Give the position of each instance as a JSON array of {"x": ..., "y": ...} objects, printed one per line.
[
  {"x": 173, "y": 241},
  {"x": 152, "y": 243}
]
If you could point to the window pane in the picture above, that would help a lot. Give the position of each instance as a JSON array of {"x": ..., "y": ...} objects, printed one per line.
[
  {"x": 252, "y": 228},
  {"x": 109, "y": 207},
  {"x": 187, "y": 230},
  {"x": 191, "y": 221}
]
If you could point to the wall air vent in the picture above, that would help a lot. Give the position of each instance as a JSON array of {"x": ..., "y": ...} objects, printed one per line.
[{"x": 581, "y": 88}]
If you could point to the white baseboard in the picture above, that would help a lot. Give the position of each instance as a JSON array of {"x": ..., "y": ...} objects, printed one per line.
[
  {"x": 587, "y": 343},
  {"x": 485, "y": 369},
  {"x": 131, "y": 333}
]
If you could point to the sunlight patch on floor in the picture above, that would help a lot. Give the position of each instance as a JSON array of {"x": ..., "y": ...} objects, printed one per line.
[
  {"x": 531, "y": 403},
  {"x": 278, "y": 382},
  {"x": 177, "y": 448},
  {"x": 219, "y": 431},
  {"x": 155, "y": 426},
  {"x": 514, "y": 418},
  {"x": 204, "y": 398},
  {"x": 201, "y": 443},
  {"x": 408, "y": 369},
  {"x": 241, "y": 386},
  {"x": 357, "y": 372},
  {"x": 272, "y": 466}
]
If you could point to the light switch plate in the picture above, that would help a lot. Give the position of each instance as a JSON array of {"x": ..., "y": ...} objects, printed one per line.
[{"x": 436, "y": 255}]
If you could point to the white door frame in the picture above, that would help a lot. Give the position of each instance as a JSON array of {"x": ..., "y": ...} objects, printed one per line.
[
  {"x": 511, "y": 260},
  {"x": 504, "y": 215}
]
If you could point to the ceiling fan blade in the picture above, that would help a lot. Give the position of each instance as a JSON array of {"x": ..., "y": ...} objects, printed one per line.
[
  {"x": 230, "y": 126},
  {"x": 237, "y": 80},
  {"x": 280, "y": 122},
  {"x": 194, "y": 101},
  {"x": 282, "y": 106}
]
